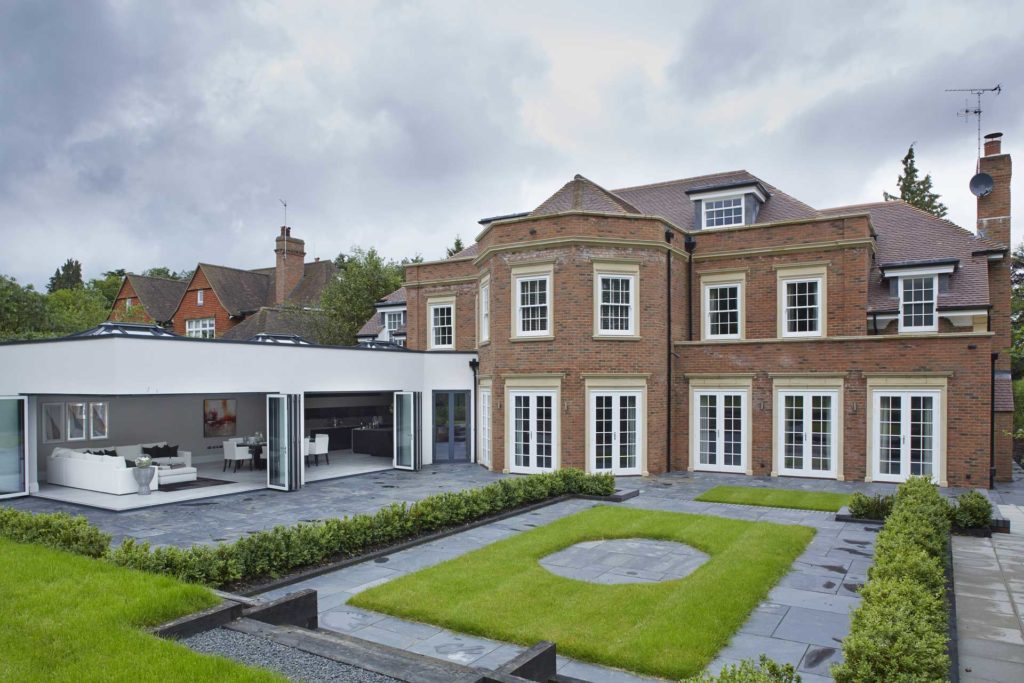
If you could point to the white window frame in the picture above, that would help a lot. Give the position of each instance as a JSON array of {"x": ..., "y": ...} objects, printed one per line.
[
  {"x": 624, "y": 271},
  {"x": 485, "y": 427},
  {"x": 708, "y": 283},
  {"x": 485, "y": 311},
  {"x": 934, "y": 327},
  {"x": 525, "y": 279},
  {"x": 128, "y": 304},
  {"x": 532, "y": 467},
  {"x": 199, "y": 297},
  {"x": 61, "y": 422},
  {"x": 196, "y": 328},
  {"x": 819, "y": 308},
  {"x": 389, "y": 316},
  {"x": 71, "y": 410},
  {"x": 704, "y": 208},
  {"x": 640, "y": 430},
  {"x": 835, "y": 424},
  {"x": 938, "y": 431},
  {"x": 435, "y": 304},
  {"x": 719, "y": 392},
  {"x": 105, "y": 408}
]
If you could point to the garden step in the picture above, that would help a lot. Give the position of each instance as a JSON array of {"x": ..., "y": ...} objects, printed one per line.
[{"x": 382, "y": 659}]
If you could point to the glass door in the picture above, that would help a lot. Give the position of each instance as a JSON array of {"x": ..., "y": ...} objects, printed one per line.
[
  {"x": 807, "y": 433},
  {"x": 616, "y": 434},
  {"x": 719, "y": 428},
  {"x": 13, "y": 447},
  {"x": 406, "y": 453},
  {"x": 451, "y": 426},
  {"x": 533, "y": 432},
  {"x": 278, "y": 440},
  {"x": 906, "y": 433}
]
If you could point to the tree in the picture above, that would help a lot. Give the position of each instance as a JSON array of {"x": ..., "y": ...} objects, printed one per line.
[
  {"x": 108, "y": 285},
  {"x": 168, "y": 274},
  {"x": 68, "y": 276},
  {"x": 915, "y": 191},
  {"x": 455, "y": 248},
  {"x": 1017, "y": 311},
  {"x": 22, "y": 311},
  {"x": 348, "y": 300},
  {"x": 75, "y": 310}
]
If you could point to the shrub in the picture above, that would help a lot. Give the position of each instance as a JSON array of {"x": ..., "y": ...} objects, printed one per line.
[
  {"x": 747, "y": 671},
  {"x": 55, "y": 530},
  {"x": 973, "y": 510},
  {"x": 870, "y": 507},
  {"x": 276, "y": 551},
  {"x": 899, "y": 631}
]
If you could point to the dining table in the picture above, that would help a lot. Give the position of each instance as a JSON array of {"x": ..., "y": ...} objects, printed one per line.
[{"x": 256, "y": 449}]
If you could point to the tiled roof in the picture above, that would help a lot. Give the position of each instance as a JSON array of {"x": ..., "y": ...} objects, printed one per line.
[
  {"x": 581, "y": 194},
  {"x": 373, "y": 326},
  {"x": 906, "y": 234},
  {"x": 395, "y": 297},
  {"x": 243, "y": 291},
  {"x": 269, "y": 320},
  {"x": 669, "y": 200},
  {"x": 1003, "y": 402},
  {"x": 159, "y": 296}
]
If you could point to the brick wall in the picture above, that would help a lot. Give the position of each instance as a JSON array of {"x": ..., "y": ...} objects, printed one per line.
[
  {"x": 211, "y": 308},
  {"x": 119, "y": 312}
]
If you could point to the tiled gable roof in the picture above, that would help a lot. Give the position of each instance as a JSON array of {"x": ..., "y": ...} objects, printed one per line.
[
  {"x": 159, "y": 296},
  {"x": 373, "y": 326},
  {"x": 269, "y": 320},
  {"x": 906, "y": 234},
  {"x": 582, "y": 194},
  {"x": 239, "y": 291},
  {"x": 315, "y": 277}
]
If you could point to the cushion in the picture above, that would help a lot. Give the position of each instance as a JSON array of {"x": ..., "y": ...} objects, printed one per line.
[
  {"x": 129, "y": 463},
  {"x": 153, "y": 451},
  {"x": 95, "y": 457},
  {"x": 130, "y": 452}
]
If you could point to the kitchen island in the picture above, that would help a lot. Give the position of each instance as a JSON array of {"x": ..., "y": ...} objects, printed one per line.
[{"x": 378, "y": 441}]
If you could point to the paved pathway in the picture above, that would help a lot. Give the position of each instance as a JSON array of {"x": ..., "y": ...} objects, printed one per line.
[
  {"x": 625, "y": 560},
  {"x": 803, "y": 620},
  {"x": 989, "y": 585}
]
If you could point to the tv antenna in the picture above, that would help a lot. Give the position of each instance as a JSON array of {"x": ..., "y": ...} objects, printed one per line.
[
  {"x": 968, "y": 111},
  {"x": 284, "y": 203}
]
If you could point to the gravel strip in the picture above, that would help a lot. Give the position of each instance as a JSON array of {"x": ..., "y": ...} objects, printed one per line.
[{"x": 293, "y": 664}]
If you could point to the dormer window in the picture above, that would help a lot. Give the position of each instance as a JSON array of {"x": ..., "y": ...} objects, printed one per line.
[
  {"x": 917, "y": 303},
  {"x": 727, "y": 206}
]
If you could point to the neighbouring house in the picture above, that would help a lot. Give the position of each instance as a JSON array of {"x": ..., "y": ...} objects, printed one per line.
[
  {"x": 717, "y": 323},
  {"x": 388, "y": 322},
  {"x": 220, "y": 302}
]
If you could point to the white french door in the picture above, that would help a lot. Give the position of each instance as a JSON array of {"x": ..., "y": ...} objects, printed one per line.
[
  {"x": 616, "y": 432},
  {"x": 719, "y": 429},
  {"x": 485, "y": 428},
  {"x": 406, "y": 410},
  {"x": 533, "y": 436},
  {"x": 905, "y": 434},
  {"x": 279, "y": 438},
  {"x": 13, "y": 446},
  {"x": 807, "y": 433}
]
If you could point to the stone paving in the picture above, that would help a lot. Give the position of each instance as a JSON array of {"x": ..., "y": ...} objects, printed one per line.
[
  {"x": 625, "y": 560},
  {"x": 988, "y": 578},
  {"x": 803, "y": 620}
]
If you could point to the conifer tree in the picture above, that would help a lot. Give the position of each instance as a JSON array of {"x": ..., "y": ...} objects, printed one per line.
[{"x": 917, "y": 191}]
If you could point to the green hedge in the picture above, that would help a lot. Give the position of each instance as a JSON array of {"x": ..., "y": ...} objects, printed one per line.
[
  {"x": 283, "y": 549},
  {"x": 972, "y": 510},
  {"x": 899, "y": 632},
  {"x": 57, "y": 530},
  {"x": 748, "y": 671}
]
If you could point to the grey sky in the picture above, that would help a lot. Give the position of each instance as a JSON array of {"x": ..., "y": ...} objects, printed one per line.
[{"x": 135, "y": 134}]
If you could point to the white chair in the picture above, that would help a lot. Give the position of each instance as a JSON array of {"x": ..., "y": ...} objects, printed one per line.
[
  {"x": 318, "y": 447},
  {"x": 235, "y": 452}
]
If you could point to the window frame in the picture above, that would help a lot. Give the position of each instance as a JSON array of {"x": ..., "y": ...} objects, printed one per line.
[
  {"x": 486, "y": 415},
  {"x": 784, "y": 283},
  {"x": 432, "y": 305},
  {"x": 400, "y": 314},
  {"x": 722, "y": 198},
  {"x": 128, "y": 304},
  {"x": 709, "y": 282},
  {"x": 195, "y": 323},
  {"x": 619, "y": 270},
  {"x": 105, "y": 407},
  {"x": 484, "y": 312},
  {"x": 934, "y": 327},
  {"x": 546, "y": 305},
  {"x": 73, "y": 408},
  {"x": 199, "y": 297},
  {"x": 531, "y": 272}
]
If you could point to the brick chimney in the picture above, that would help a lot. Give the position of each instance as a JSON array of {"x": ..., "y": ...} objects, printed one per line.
[
  {"x": 994, "y": 225},
  {"x": 291, "y": 264}
]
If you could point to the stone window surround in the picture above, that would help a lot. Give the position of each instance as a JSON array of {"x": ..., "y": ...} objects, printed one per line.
[
  {"x": 484, "y": 311},
  {"x": 533, "y": 269},
  {"x": 617, "y": 267},
  {"x": 803, "y": 272},
  {"x": 432, "y": 303},
  {"x": 709, "y": 279}
]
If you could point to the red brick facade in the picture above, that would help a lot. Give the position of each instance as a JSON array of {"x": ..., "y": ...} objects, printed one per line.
[
  {"x": 189, "y": 308},
  {"x": 667, "y": 360},
  {"x": 121, "y": 312}
]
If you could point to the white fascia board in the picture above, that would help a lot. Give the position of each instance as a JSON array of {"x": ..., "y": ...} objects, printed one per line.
[
  {"x": 912, "y": 271},
  {"x": 730, "y": 192}
]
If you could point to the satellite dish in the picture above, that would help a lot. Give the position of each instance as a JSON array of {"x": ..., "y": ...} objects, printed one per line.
[{"x": 982, "y": 185}]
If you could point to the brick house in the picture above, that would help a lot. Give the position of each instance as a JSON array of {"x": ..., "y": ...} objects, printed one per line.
[
  {"x": 230, "y": 303},
  {"x": 388, "y": 322},
  {"x": 717, "y": 323}
]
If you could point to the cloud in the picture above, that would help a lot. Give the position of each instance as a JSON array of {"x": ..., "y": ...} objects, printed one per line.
[{"x": 136, "y": 134}]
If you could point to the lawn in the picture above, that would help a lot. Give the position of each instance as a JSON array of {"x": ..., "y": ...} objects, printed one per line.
[
  {"x": 670, "y": 629},
  {"x": 72, "y": 618},
  {"x": 776, "y": 498}
]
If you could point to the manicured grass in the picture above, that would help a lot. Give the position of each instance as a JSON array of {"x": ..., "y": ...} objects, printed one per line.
[
  {"x": 776, "y": 498},
  {"x": 671, "y": 629},
  {"x": 71, "y": 618}
]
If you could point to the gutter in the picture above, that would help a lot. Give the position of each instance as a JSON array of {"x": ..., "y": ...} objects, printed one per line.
[
  {"x": 992, "y": 425},
  {"x": 668, "y": 353}
]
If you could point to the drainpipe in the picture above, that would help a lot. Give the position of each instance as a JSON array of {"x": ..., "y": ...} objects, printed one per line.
[
  {"x": 992, "y": 425},
  {"x": 474, "y": 365},
  {"x": 668, "y": 351},
  {"x": 690, "y": 244}
]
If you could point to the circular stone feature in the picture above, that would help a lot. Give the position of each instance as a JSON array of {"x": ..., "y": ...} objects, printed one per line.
[{"x": 625, "y": 560}]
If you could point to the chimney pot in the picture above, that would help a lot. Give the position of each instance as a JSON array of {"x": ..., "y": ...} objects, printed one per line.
[{"x": 993, "y": 144}]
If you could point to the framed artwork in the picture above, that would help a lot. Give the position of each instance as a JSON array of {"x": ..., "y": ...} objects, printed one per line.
[
  {"x": 219, "y": 417},
  {"x": 53, "y": 422},
  {"x": 98, "y": 414},
  {"x": 77, "y": 420}
]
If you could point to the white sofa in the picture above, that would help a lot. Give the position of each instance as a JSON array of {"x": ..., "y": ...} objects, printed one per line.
[{"x": 105, "y": 473}]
